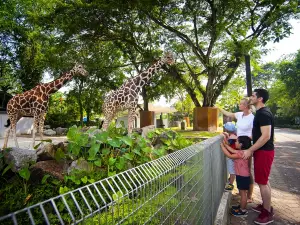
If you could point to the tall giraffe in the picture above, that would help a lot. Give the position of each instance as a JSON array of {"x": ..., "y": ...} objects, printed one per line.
[
  {"x": 35, "y": 103},
  {"x": 126, "y": 97}
]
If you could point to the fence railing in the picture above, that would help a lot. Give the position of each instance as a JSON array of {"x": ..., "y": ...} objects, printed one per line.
[{"x": 184, "y": 187}]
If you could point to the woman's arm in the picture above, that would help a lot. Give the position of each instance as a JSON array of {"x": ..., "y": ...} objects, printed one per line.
[
  {"x": 229, "y": 114},
  {"x": 231, "y": 156}
]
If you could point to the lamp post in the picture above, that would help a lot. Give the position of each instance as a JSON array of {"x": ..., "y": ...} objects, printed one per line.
[{"x": 248, "y": 75}]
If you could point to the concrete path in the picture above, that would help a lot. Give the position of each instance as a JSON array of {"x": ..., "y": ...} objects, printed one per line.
[
  {"x": 284, "y": 179},
  {"x": 26, "y": 140}
]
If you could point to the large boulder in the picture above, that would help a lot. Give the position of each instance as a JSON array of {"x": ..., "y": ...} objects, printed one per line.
[
  {"x": 49, "y": 132},
  {"x": 61, "y": 131},
  {"x": 147, "y": 129},
  {"x": 46, "y": 152},
  {"x": 20, "y": 158},
  {"x": 51, "y": 167},
  {"x": 80, "y": 164}
]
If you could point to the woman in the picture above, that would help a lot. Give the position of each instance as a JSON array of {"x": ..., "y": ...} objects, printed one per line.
[{"x": 244, "y": 128}]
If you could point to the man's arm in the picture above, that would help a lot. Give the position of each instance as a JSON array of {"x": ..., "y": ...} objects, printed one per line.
[
  {"x": 229, "y": 114},
  {"x": 265, "y": 136},
  {"x": 231, "y": 156}
]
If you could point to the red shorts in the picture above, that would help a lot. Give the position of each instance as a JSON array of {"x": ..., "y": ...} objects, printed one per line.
[{"x": 262, "y": 165}]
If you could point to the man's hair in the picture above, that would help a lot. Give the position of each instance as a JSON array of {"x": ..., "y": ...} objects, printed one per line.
[
  {"x": 262, "y": 93},
  {"x": 245, "y": 141}
]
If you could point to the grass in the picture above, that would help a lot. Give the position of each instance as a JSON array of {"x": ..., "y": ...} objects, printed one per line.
[{"x": 195, "y": 134}]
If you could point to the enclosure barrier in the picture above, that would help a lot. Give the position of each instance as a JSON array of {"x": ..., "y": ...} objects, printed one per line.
[{"x": 184, "y": 187}]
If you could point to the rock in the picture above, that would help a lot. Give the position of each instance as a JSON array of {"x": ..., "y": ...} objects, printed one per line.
[
  {"x": 51, "y": 167},
  {"x": 20, "y": 158},
  {"x": 46, "y": 152},
  {"x": 79, "y": 164},
  {"x": 147, "y": 129},
  {"x": 138, "y": 130},
  {"x": 61, "y": 131},
  {"x": 49, "y": 132},
  {"x": 47, "y": 127},
  {"x": 164, "y": 135}
]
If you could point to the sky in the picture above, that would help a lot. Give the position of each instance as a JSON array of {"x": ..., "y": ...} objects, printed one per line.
[{"x": 276, "y": 50}]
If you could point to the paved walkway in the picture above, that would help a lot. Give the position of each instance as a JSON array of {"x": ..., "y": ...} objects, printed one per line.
[
  {"x": 25, "y": 141},
  {"x": 285, "y": 182}
]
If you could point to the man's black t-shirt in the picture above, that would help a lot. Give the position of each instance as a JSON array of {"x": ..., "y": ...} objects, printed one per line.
[{"x": 263, "y": 117}]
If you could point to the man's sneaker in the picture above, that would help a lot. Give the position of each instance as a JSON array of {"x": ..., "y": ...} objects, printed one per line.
[
  {"x": 235, "y": 207},
  {"x": 260, "y": 207},
  {"x": 239, "y": 212},
  {"x": 264, "y": 217},
  {"x": 229, "y": 187}
]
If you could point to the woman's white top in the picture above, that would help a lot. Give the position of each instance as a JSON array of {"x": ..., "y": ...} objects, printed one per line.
[{"x": 244, "y": 124}]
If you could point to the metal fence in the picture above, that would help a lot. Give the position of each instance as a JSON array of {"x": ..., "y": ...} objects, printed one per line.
[{"x": 184, "y": 187}]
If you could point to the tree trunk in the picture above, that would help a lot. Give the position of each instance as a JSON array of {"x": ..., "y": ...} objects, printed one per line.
[{"x": 145, "y": 98}]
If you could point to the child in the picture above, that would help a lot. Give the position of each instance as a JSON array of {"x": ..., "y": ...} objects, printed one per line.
[
  {"x": 230, "y": 140},
  {"x": 242, "y": 172}
]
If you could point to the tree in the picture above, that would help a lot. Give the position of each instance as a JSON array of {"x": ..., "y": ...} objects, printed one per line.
[
  {"x": 232, "y": 94},
  {"x": 217, "y": 34}
]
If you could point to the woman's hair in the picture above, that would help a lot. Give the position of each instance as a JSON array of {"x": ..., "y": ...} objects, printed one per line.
[
  {"x": 247, "y": 102},
  {"x": 245, "y": 141}
]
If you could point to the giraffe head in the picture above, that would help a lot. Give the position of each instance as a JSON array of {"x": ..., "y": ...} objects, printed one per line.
[
  {"x": 78, "y": 69},
  {"x": 168, "y": 58}
]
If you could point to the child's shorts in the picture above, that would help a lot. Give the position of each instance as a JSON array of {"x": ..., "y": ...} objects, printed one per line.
[
  {"x": 230, "y": 166},
  {"x": 243, "y": 183}
]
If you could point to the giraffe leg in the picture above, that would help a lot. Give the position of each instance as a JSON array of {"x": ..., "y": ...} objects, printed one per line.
[
  {"x": 14, "y": 130},
  {"x": 8, "y": 131},
  {"x": 107, "y": 120},
  {"x": 41, "y": 125},
  {"x": 35, "y": 125},
  {"x": 131, "y": 117}
]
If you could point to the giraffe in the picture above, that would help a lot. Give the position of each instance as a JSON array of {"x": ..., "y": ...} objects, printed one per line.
[
  {"x": 35, "y": 102},
  {"x": 126, "y": 97}
]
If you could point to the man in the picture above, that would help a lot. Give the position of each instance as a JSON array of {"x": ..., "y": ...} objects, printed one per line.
[{"x": 263, "y": 153}]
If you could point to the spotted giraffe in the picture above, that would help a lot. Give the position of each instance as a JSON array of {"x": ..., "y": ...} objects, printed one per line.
[
  {"x": 35, "y": 102},
  {"x": 126, "y": 97}
]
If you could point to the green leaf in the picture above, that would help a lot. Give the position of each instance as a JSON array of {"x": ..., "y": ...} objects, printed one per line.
[
  {"x": 102, "y": 136},
  {"x": 72, "y": 133},
  {"x": 25, "y": 173},
  {"x": 45, "y": 177},
  {"x": 147, "y": 150},
  {"x": 59, "y": 154},
  {"x": 74, "y": 148},
  {"x": 84, "y": 179},
  {"x": 8, "y": 167},
  {"x": 111, "y": 161},
  {"x": 98, "y": 163},
  {"x": 121, "y": 163},
  {"x": 117, "y": 196},
  {"x": 91, "y": 181},
  {"x": 128, "y": 156},
  {"x": 136, "y": 151},
  {"x": 105, "y": 151},
  {"x": 127, "y": 140},
  {"x": 93, "y": 151},
  {"x": 115, "y": 142},
  {"x": 111, "y": 173},
  {"x": 63, "y": 190}
]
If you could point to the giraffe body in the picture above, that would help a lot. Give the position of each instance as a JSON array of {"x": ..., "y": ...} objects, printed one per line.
[
  {"x": 34, "y": 103},
  {"x": 126, "y": 97}
]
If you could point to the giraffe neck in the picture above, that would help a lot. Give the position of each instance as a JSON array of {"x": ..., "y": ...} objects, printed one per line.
[
  {"x": 55, "y": 85},
  {"x": 146, "y": 75}
]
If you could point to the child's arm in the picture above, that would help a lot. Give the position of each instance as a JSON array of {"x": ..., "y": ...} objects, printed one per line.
[
  {"x": 226, "y": 152},
  {"x": 230, "y": 149}
]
